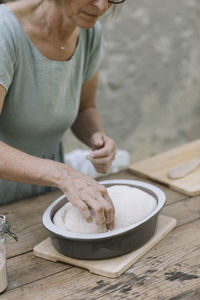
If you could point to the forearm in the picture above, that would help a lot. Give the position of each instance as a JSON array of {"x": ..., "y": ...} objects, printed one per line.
[
  {"x": 81, "y": 190},
  {"x": 87, "y": 123},
  {"x": 18, "y": 166}
]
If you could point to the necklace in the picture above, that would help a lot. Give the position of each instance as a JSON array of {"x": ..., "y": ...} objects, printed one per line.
[
  {"x": 51, "y": 36},
  {"x": 61, "y": 47}
]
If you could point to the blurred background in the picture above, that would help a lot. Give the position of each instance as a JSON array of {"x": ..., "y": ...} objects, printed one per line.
[{"x": 149, "y": 81}]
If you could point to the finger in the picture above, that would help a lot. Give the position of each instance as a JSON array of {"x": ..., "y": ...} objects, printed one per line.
[
  {"x": 102, "y": 164},
  {"x": 102, "y": 170},
  {"x": 108, "y": 210},
  {"x": 103, "y": 152},
  {"x": 90, "y": 197},
  {"x": 102, "y": 205},
  {"x": 97, "y": 140},
  {"x": 83, "y": 208},
  {"x": 106, "y": 161},
  {"x": 98, "y": 153},
  {"x": 101, "y": 157},
  {"x": 111, "y": 213},
  {"x": 98, "y": 209},
  {"x": 102, "y": 196}
]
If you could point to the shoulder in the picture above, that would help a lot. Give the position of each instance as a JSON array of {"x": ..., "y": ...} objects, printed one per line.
[
  {"x": 4, "y": 16},
  {"x": 3, "y": 10},
  {"x": 8, "y": 24},
  {"x": 9, "y": 30},
  {"x": 92, "y": 50}
]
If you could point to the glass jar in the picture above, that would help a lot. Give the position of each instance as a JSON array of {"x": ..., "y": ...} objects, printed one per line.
[
  {"x": 3, "y": 269},
  {"x": 4, "y": 228}
]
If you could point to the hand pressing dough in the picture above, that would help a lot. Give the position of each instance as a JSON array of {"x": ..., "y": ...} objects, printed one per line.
[
  {"x": 70, "y": 218},
  {"x": 131, "y": 205}
]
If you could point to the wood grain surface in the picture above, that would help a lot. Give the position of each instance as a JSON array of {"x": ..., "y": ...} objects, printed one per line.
[
  {"x": 158, "y": 167},
  {"x": 170, "y": 270}
]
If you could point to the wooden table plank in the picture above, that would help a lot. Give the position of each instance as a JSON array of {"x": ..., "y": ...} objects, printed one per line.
[
  {"x": 184, "y": 211},
  {"x": 26, "y": 268},
  {"x": 25, "y": 217},
  {"x": 167, "y": 270},
  {"x": 56, "y": 286},
  {"x": 175, "y": 256},
  {"x": 192, "y": 295},
  {"x": 170, "y": 268}
]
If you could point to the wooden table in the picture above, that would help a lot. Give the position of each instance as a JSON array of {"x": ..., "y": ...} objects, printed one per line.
[{"x": 171, "y": 270}]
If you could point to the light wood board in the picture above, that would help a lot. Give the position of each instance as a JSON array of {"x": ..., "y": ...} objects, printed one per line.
[
  {"x": 158, "y": 166},
  {"x": 112, "y": 267}
]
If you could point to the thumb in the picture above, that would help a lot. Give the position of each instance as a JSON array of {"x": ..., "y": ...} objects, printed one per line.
[{"x": 97, "y": 140}]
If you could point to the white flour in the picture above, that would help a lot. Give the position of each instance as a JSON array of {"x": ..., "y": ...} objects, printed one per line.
[{"x": 131, "y": 205}]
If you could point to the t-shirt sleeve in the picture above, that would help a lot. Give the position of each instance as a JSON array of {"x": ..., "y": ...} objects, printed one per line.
[
  {"x": 7, "y": 56},
  {"x": 95, "y": 51}
]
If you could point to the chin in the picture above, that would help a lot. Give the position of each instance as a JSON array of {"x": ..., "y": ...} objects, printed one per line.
[
  {"x": 87, "y": 25},
  {"x": 85, "y": 21}
]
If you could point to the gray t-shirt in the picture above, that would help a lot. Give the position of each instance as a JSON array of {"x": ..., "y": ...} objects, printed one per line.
[{"x": 43, "y": 95}]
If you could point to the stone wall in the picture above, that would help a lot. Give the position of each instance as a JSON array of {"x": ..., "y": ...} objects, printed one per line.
[{"x": 149, "y": 84}]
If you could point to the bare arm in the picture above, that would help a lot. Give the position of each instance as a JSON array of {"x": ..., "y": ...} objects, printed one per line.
[
  {"x": 88, "y": 121},
  {"x": 18, "y": 166},
  {"x": 88, "y": 128},
  {"x": 82, "y": 191}
]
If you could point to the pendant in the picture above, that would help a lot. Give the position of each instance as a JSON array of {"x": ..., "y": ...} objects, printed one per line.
[{"x": 62, "y": 48}]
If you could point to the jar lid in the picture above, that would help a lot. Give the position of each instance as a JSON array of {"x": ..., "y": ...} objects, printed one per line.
[
  {"x": 5, "y": 227},
  {"x": 2, "y": 222}
]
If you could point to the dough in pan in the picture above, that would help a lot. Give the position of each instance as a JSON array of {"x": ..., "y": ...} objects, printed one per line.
[{"x": 131, "y": 205}]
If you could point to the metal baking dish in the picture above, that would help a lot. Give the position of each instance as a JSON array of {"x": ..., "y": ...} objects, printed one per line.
[{"x": 109, "y": 244}]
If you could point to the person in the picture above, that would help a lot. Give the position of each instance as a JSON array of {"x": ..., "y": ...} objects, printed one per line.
[{"x": 50, "y": 51}]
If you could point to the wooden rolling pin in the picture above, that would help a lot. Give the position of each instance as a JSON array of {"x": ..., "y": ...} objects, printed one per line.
[{"x": 184, "y": 169}]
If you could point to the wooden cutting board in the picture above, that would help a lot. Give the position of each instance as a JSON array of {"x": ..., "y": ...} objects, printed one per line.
[
  {"x": 112, "y": 267},
  {"x": 158, "y": 166}
]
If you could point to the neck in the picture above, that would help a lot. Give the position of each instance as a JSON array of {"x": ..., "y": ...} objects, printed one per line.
[
  {"x": 47, "y": 26},
  {"x": 55, "y": 22},
  {"x": 48, "y": 15}
]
